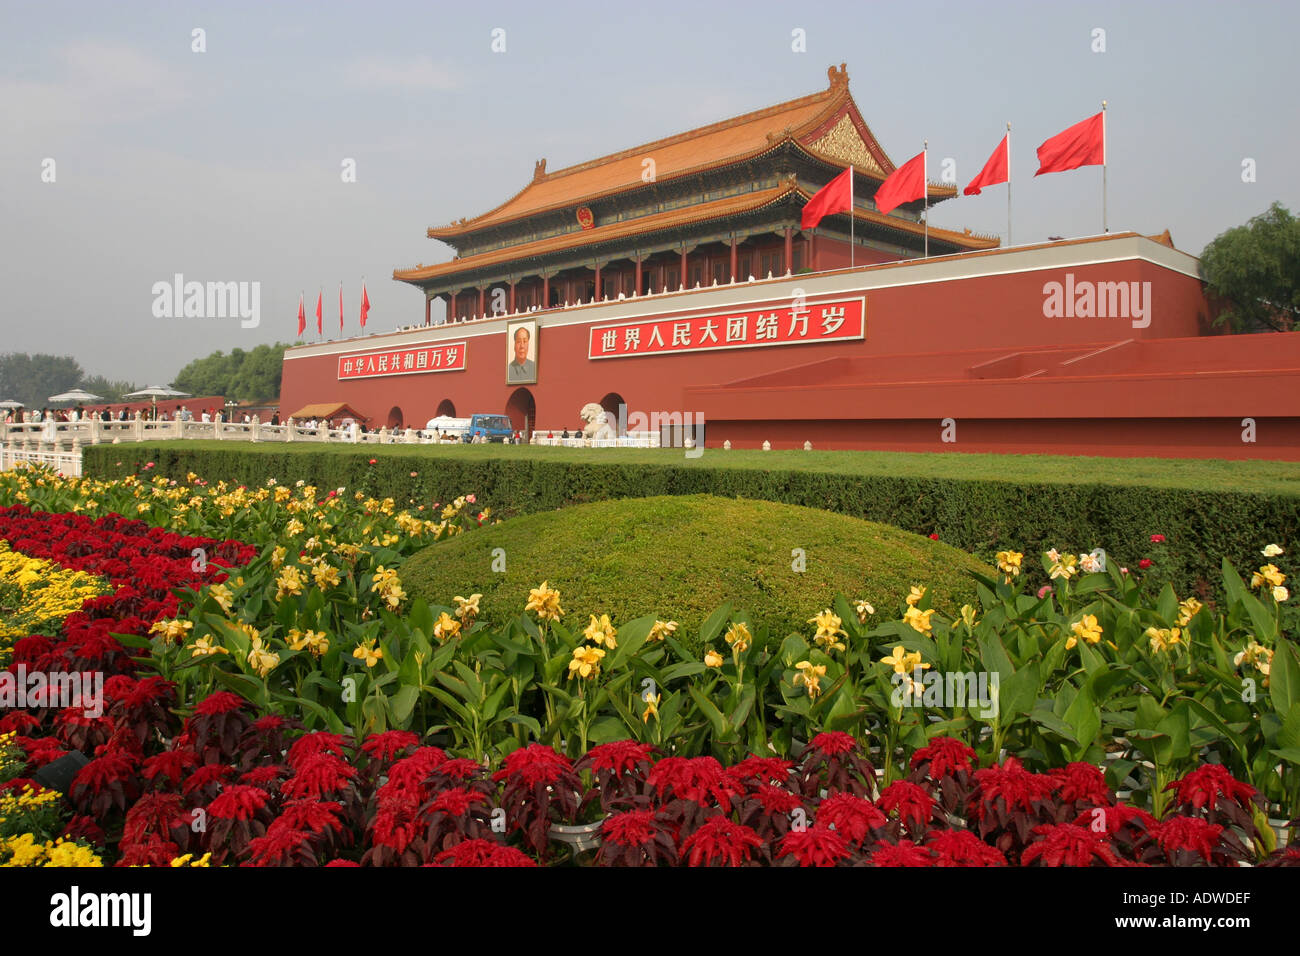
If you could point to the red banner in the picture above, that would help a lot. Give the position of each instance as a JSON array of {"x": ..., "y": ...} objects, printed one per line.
[
  {"x": 443, "y": 357},
  {"x": 796, "y": 323}
]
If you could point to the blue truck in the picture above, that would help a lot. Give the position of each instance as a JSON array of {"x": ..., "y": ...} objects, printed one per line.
[{"x": 491, "y": 427}]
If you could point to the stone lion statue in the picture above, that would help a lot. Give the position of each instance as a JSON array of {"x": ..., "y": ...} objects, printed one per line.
[{"x": 597, "y": 422}]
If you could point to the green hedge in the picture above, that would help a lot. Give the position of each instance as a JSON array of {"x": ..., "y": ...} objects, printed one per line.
[{"x": 979, "y": 515}]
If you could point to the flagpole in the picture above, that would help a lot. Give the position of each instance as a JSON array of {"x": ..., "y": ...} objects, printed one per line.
[
  {"x": 853, "y": 241},
  {"x": 1105, "y": 222},
  {"x": 1008, "y": 183},
  {"x": 925, "y": 190}
]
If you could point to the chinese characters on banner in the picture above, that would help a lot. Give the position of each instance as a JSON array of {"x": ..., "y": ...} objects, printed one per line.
[
  {"x": 443, "y": 357},
  {"x": 792, "y": 324}
]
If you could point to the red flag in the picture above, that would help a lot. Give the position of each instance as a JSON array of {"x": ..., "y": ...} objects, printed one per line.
[
  {"x": 905, "y": 184},
  {"x": 1083, "y": 144},
  {"x": 320, "y": 302},
  {"x": 835, "y": 196},
  {"x": 996, "y": 170},
  {"x": 340, "y": 308},
  {"x": 365, "y": 305},
  {"x": 302, "y": 316}
]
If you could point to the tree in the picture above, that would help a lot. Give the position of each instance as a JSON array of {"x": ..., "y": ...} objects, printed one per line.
[
  {"x": 244, "y": 376},
  {"x": 32, "y": 379},
  {"x": 1252, "y": 273},
  {"x": 110, "y": 391}
]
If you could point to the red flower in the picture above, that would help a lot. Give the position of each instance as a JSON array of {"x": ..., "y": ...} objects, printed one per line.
[
  {"x": 1013, "y": 784},
  {"x": 1082, "y": 782},
  {"x": 533, "y": 765},
  {"x": 815, "y": 846},
  {"x": 222, "y": 702},
  {"x": 962, "y": 848},
  {"x": 1115, "y": 818},
  {"x": 1188, "y": 833},
  {"x": 310, "y": 745},
  {"x": 170, "y": 766},
  {"x": 373, "y": 460},
  {"x": 263, "y": 776},
  {"x": 913, "y": 804},
  {"x": 635, "y": 828},
  {"x": 833, "y": 742},
  {"x": 720, "y": 840},
  {"x": 906, "y": 853},
  {"x": 695, "y": 780},
  {"x": 946, "y": 755},
  {"x": 205, "y": 777},
  {"x": 238, "y": 802},
  {"x": 155, "y": 815},
  {"x": 776, "y": 800},
  {"x": 482, "y": 853},
  {"x": 457, "y": 802},
  {"x": 1065, "y": 844},
  {"x": 411, "y": 773},
  {"x": 1158, "y": 538},
  {"x": 853, "y": 816},
  {"x": 1204, "y": 786},
  {"x": 281, "y": 846},
  {"x": 396, "y": 823},
  {"x": 318, "y": 775},
  {"x": 384, "y": 747},
  {"x": 934, "y": 536},
  {"x": 619, "y": 757},
  {"x": 1144, "y": 563},
  {"x": 311, "y": 815},
  {"x": 761, "y": 770}
]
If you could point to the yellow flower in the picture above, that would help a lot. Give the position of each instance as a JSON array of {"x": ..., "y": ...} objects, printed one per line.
[
  {"x": 661, "y": 630},
  {"x": 204, "y": 646},
  {"x": 314, "y": 641},
  {"x": 601, "y": 632},
  {"x": 1187, "y": 610},
  {"x": 1009, "y": 563},
  {"x": 368, "y": 652},
  {"x": 173, "y": 630},
  {"x": 829, "y": 630},
  {"x": 1272, "y": 551},
  {"x": 294, "y": 528},
  {"x": 586, "y": 662},
  {"x": 1086, "y": 628},
  {"x": 467, "y": 608},
  {"x": 864, "y": 609},
  {"x": 898, "y": 659},
  {"x": 968, "y": 615},
  {"x": 325, "y": 576},
  {"x": 446, "y": 627},
  {"x": 1063, "y": 566},
  {"x": 712, "y": 659},
  {"x": 1257, "y": 655},
  {"x": 289, "y": 582},
  {"x": 919, "y": 620},
  {"x": 1268, "y": 574},
  {"x": 261, "y": 659},
  {"x": 738, "y": 637},
  {"x": 188, "y": 860},
  {"x": 546, "y": 602},
  {"x": 1163, "y": 638},
  {"x": 222, "y": 595},
  {"x": 914, "y": 597},
  {"x": 651, "y": 707},
  {"x": 810, "y": 675}
]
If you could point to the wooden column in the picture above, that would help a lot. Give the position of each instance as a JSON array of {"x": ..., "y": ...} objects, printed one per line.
[
  {"x": 451, "y": 306},
  {"x": 596, "y": 297},
  {"x": 546, "y": 292},
  {"x": 733, "y": 257},
  {"x": 512, "y": 295},
  {"x": 428, "y": 305},
  {"x": 789, "y": 251},
  {"x": 683, "y": 266},
  {"x": 482, "y": 293},
  {"x": 637, "y": 289}
]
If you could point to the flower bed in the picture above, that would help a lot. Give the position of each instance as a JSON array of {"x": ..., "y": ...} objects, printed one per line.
[{"x": 232, "y": 734}]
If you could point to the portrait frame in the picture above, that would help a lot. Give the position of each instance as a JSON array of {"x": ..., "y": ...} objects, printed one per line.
[{"x": 527, "y": 375}]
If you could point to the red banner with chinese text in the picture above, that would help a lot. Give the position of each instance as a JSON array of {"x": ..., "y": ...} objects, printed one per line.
[
  {"x": 443, "y": 357},
  {"x": 787, "y": 324}
]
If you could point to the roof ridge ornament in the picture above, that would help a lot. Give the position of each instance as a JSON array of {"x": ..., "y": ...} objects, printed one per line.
[
  {"x": 539, "y": 170},
  {"x": 838, "y": 78}
]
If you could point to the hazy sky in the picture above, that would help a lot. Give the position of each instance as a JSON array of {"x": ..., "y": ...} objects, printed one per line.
[{"x": 226, "y": 165}]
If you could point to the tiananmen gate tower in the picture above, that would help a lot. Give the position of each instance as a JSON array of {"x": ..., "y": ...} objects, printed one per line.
[{"x": 675, "y": 277}]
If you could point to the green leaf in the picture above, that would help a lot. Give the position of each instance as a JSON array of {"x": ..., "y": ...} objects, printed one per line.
[
  {"x": 1018, "y": 694},
  {"x": 1284, "y": 677},
  {"x": 714, "y": 625},
  {"x": 1085, "y": 717},
  {"x": 403, "y": 703},
  {"x": 710, "y": 711}
]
